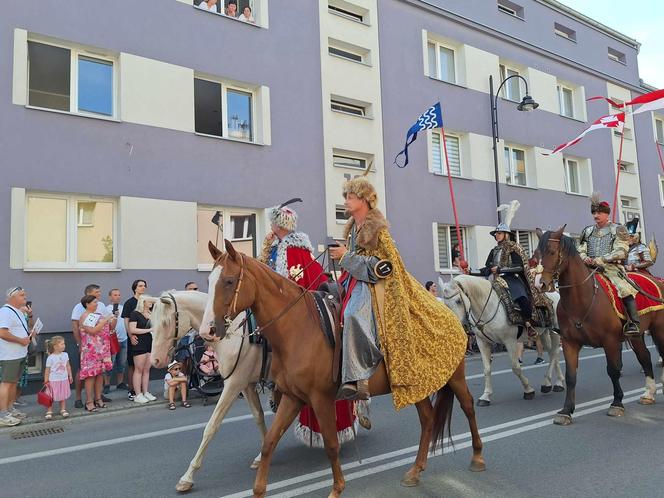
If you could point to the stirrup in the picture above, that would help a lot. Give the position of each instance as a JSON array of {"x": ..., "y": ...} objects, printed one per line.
[{"x": 631, "y": 329}]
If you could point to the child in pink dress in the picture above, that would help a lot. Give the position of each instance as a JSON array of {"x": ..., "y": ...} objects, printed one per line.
[
  {"x": 209, "y": 364},
  {"x": 58, "y": 374}
]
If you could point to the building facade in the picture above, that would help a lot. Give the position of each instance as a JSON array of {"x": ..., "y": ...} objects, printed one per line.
[{"x": 122, "y": 139}]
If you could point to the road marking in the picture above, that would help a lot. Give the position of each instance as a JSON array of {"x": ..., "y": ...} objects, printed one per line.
[
  {"x": 119, "y": 440},
  {"x": 586, "y": 408}
]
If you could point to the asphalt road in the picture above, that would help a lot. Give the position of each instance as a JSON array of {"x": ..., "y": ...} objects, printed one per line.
[{"x": 144, "y": 452}]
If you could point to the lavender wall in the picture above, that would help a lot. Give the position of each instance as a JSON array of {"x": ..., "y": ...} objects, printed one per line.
[
  {"x": 49, "y": 151},
  {"x": 415, "y": 197}
]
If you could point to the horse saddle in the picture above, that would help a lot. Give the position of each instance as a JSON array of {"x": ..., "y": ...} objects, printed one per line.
[
  {"x": 542, "y": 316},
  {"x": 328, "y": 305}
]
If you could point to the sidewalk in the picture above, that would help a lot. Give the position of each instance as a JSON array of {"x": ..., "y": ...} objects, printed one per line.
[{"x": 120, "y": 403}]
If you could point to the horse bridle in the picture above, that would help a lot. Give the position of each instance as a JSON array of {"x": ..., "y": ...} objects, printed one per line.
[
  {"x": 174, "y": 340},
  {"x": 478, "y": 323}
]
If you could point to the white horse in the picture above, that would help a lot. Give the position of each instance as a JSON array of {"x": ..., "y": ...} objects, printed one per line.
[
  {"x": 239, "y": 363},
  {"x": 479, "y": 308}
]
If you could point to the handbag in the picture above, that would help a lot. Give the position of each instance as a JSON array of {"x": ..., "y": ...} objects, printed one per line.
[
  {"x": 45, "y": 396},
  {"x": 115, "y": 344}
]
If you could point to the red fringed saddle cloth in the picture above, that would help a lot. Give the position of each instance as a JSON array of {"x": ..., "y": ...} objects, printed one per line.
[{"x": 643, "y": 303}]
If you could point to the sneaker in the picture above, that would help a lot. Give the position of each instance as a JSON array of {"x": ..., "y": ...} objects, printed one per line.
[
  {"x": 149, "y": 396},
  {"x": 19, "y": 402},
  {"x": 78, "y": 404},
  {"x": 17, "y": 414},
  {"x": 141, "y": 399},
  {"x": 107, "y": 389},
  {"x": 539, "y": 360},
  {"x": 105, "y": 399},
  {"x": 9, "y": 421},
  {"x": 122, "y": 387},
  {"x": 131, "y": 395}
]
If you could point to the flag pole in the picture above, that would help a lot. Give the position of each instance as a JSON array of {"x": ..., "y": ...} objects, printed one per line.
[
  {"x": 454, "y": 209},
  {"x": 615, "y": 191}
]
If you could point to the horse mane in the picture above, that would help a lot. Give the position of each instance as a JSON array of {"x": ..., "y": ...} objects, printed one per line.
[
  {"x": 475, "y": 288},
  {"x": 567, "y": 244},
  {"x": 160, "y": 318}
]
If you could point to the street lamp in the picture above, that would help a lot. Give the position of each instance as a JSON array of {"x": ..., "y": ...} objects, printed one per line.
[{"x": 527, "y": 104}]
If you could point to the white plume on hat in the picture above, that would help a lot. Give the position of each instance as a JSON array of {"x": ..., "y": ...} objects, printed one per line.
[{"x": 509, "y": 210}]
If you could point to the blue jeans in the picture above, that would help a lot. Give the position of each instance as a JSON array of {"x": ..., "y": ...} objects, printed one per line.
[{"x": 120, "y": 359}]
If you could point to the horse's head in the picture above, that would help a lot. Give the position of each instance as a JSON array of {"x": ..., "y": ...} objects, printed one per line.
[
  {"x": 456, "y": 300},
  {"x": 551, "y": 257},
  {"x": 164, "y": 333},
  {"x": 231, "y": 291}
]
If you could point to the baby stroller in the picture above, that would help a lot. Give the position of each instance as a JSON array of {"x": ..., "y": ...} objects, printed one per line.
[{"x": 189, "y": 352}]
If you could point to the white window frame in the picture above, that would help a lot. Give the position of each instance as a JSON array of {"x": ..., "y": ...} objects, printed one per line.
[
  {"x": 348, "y": 155},
  {"x": 437, "y": 46},
  {"x": 510, "y": 11},
  {"x": 568, "y": 183},
  {"x": 226, "y": 233},
  {"x": 661, "y": 190},
  {"x": 225, "y": 86},
  {"x": 561, "y": 107},
  {"x": 511, "y": 166},
  {"x": 627, "y": 167},
  {"x": 38, "y": 358},
  {"x": 362, "y": 110},
  {"x": 71, "y": 262},
  {"x": 532, "y": 241},
  {"x": 659, "y": 139},
  {"x": 74, "y": 54},
  {"x": 337, "y": 208},
  {"x": 564, "y": 32},
  {"x": 348, "y": 11},
  {"x": 436, "y": 248},
  {"x": 617, "y": 56},
  {"x": 443, "y": 159},
  {"x": 629, "y": 208},
  {"x": 503, "y": 70}
]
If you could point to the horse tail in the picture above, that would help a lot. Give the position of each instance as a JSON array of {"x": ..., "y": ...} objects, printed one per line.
[{"x": 442, "y": 417}]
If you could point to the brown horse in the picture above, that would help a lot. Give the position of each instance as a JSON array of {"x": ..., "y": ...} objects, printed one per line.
[
  {"x": 302, "y": 365},
  {"x": 586, "y": 318}
]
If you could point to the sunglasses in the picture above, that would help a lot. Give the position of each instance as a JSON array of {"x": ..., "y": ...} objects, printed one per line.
[
  {"x": 15, "y": 290},
  {"x": 175, "y": 369},
  {"x": 194, "y": 288}
]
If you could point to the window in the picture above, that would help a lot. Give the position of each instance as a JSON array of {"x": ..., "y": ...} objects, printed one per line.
[
  {"x": 343, "y": 161},
  {"x": 617, "y": 56},
  {"x": 511, "y": 8},
  {"x": 512, "y": 88},
  {"x": 572, "y": 176},
  {"x": 347, "y": 10},
  {"x": 515, "y": 166},
  {"x": 527, "y": 240},
  {"x": 627, "y": 167},
  {"x": 446, "y": 239},
  {"x": 452, "y": 143},
  {"x": 69, "y": 232},
  {"x": 348, "y": 108},
  {"x": 659, "y": 130},
  {"x": 630, "y": 208},
  {"x": 626, "y": 132},
  {"x": 348, "y": 51},
  {"x": 346, "y": 54},
  {"x": 52, "y": 70},
  {"x": 35, "y": 362},
  {"x": 661, "y": 190},
  {"x": 340, "y": 214},
  {"x": 212, "y": 117},
  {"x": 566, "y": 101},
  {"x": 237, "y": 226},
  {"x": 221, "y": 7},
  {"x": 441, "y": 62},
  {"x": 564, "y": 31}
]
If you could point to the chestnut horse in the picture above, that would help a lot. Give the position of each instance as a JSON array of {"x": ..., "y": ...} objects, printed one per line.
[
  {"x": 302, "y": 364},
  {"x": 587, "y": 318}
]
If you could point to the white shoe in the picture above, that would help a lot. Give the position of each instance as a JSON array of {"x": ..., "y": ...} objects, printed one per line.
[
  {"x": 149, "y": 396},
  {"x": 17, "y": 414},
  {"x": 9, "y": 421},
  {"x": 141, "y": 399}
]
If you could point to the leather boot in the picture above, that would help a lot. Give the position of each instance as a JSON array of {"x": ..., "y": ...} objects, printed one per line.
[{"x": 631, "y": 328}]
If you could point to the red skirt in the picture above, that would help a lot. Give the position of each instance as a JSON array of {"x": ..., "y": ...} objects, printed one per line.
[{"x": 307, "y": 429}]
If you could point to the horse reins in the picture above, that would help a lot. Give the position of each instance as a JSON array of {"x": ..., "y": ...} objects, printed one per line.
[{"x": 479, "y": 325}]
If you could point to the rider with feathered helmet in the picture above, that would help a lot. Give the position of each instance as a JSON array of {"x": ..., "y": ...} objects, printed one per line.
[{"x": 638, "y": 257}]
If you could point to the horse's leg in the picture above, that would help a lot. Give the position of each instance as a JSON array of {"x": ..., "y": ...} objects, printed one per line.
[
  {"x": 554, "y": 359},
  {"x": 613, "y": 353},
  {"x": 326, "y": 414},
  {"x": 545, "y": 338},
  {"x": 226, "y": 400},
  {"x": 259, "y": 416},
  {"x": 643, "y": 356},
  {"x": 485, "y": 353},
  {"x": 460, "y": 389},
  {"x": 571, "y": 352},
  {"x": 288, "y": 409},
  {"x": 426, "y": 415},
  {"x": 510, "y": 345},
  {"x": 657, "y": 334}
]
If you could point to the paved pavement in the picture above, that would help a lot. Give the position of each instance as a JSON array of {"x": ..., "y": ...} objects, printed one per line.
[{"x": 143, "y": 452}]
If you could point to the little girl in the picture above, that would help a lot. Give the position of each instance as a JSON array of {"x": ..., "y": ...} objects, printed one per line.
[
  {"x": 58, "y": 374},
  {"x": 209, "y": 364}
]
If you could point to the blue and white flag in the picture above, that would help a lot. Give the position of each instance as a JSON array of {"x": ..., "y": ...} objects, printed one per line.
[{"x": 431, "y": 118}]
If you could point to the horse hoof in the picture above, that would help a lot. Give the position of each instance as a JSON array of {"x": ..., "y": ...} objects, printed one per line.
[
  {"x": 254, "y": 465},
  {"x": 545, "y": 389},
  {"x": 184, "y": 486},
  {"x": 365, "y": 422},
  {"x": 530, "y": 395},
  {"x": 410, "y": 481},
  {"x": 483, "y": 402},
  {"x": 558, "y": 389},
  {"x": 646, "y": 401},
  {"x": 562, "y": 419},
  {"x": 477, "y": 466},
  {"x": 616, "y": 411}
]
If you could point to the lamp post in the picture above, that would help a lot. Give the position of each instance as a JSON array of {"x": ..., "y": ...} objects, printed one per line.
[{"x": 527, "y": 104}]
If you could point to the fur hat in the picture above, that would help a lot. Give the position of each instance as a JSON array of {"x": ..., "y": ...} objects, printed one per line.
[
  {"x": 597, "y": 206},
  {"x": 283, "y": 216},
  {"x": 361, "y": 187}
]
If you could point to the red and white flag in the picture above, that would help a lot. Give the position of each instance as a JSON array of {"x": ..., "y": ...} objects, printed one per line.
[
  {"x": 615, "y": 121},
  {"x": 650, "y": 102}
]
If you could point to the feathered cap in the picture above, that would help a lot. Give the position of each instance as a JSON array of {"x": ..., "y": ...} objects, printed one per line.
[
  {"x": 284, "y": 217},
  {"x": 597, "y": 206},
  {"x": 633, "y": 226},
  {"x": 361, "y": 187},
  {"x": 508, "y": 210}
]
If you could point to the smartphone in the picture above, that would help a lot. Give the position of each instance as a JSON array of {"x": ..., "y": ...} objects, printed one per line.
[
  {"x": 115, "y": 308},
  {"x": 331, "y": 242},
  {"x": 29, "y": 304}
]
